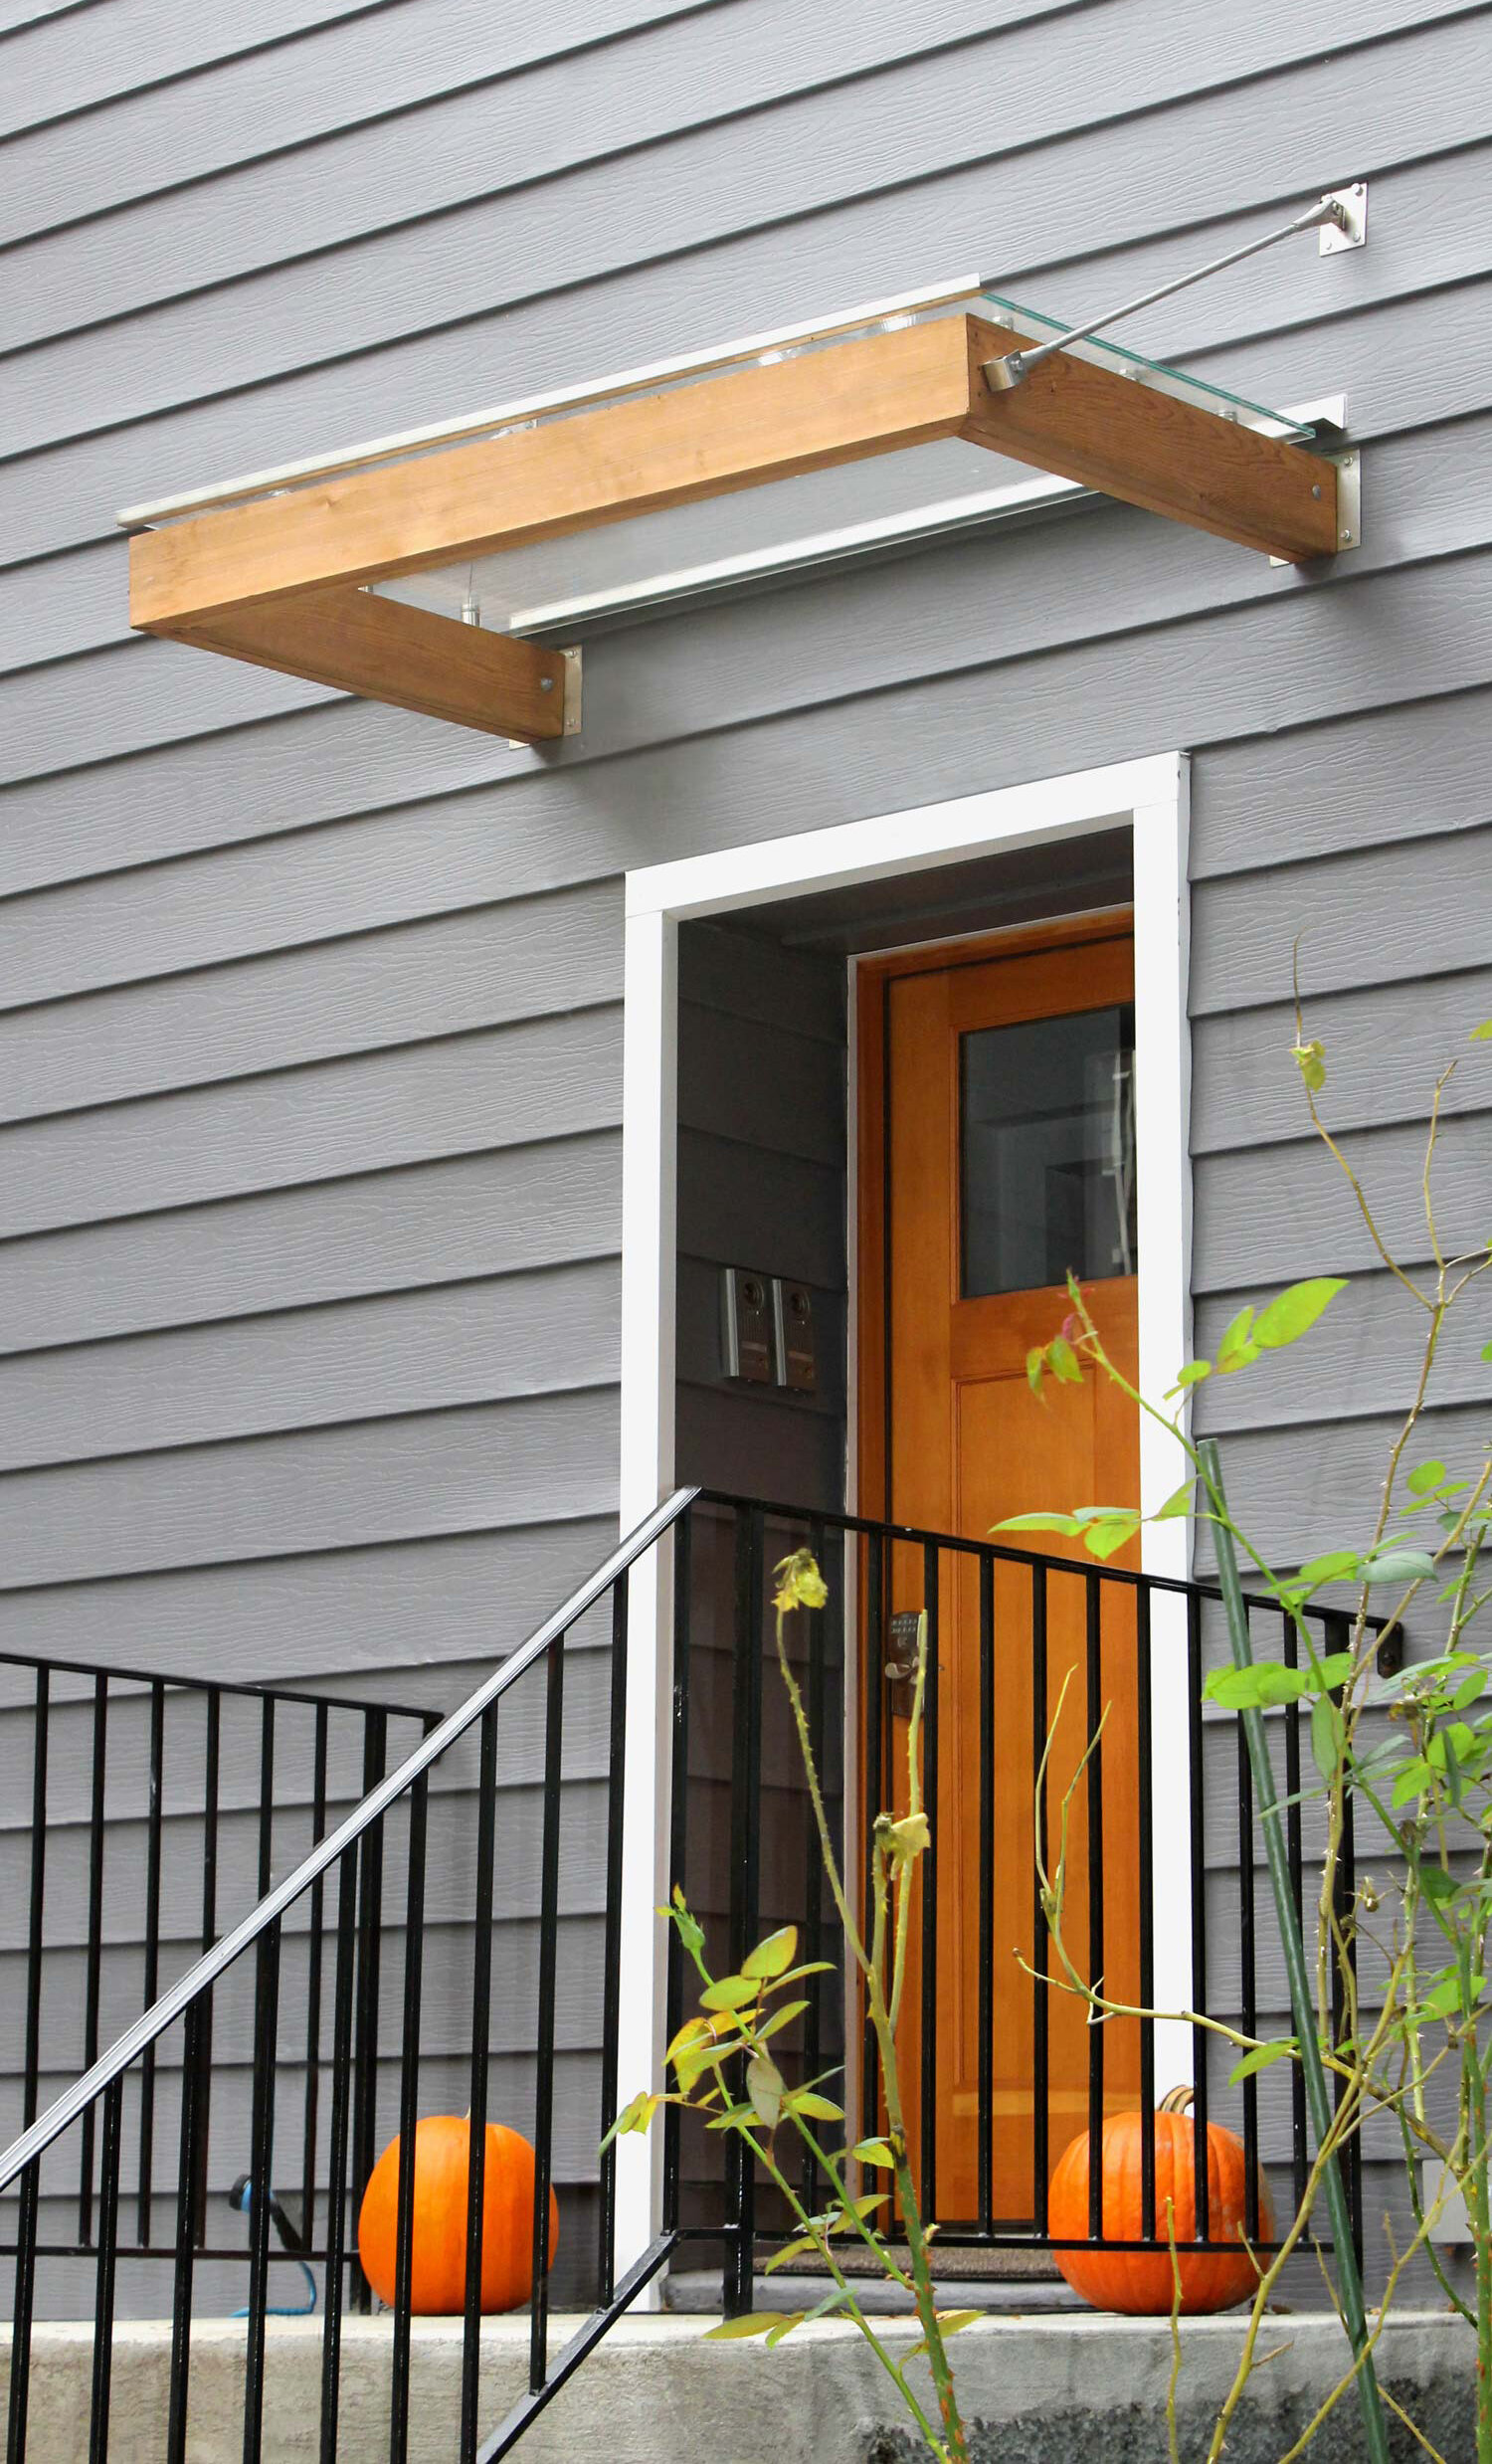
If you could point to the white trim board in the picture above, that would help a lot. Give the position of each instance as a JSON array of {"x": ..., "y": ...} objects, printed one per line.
[{"x": 1150, "y": 797}]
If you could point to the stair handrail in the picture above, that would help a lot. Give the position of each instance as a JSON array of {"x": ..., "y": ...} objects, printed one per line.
[{"x": 153, "y": 2023}]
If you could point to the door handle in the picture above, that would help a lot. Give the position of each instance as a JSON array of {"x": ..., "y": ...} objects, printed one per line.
[{"x": 900, "y": 1664}]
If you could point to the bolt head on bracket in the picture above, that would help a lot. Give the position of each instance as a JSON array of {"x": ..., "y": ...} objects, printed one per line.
[{"x": 1349, "y": 230}]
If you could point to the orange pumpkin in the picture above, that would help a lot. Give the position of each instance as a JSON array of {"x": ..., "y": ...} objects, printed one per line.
[
  {"x": 1141, "y": 2282},
  {"x": 438, "y": 2273}
]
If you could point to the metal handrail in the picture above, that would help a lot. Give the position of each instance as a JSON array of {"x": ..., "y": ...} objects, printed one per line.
[{"x": 152, "y": 2024}]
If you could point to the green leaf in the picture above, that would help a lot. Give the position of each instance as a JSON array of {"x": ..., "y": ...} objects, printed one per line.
[
  {"x": 1035, "y": 1364},
  {"x": 781, "y": 2017},
  {"x": 953, "y": 2321},
  {"x": 1339, "y": 1564},
  {"x": 835, "y": 2300},
  {"x": 862, "y": 2207},
  {"x": 1249, "y": 1690},
  {"x": 1327, "y": 1734},
  {"x": 1482, "y": 1034},
  {"x": 1235, "y": 1351},
  {"x": 1102, "y": 1538},
  {"x": 1310, "y": 1060},
  {"x": 633, "y": 2117},
  {"x": 1396, "y": 1566},
  {"x": 1469, "y": 1690},
  {"x": 814, "y": 2108},
  {"x": 1425, "y": 1477},
  {"x": 1193, "y": 1373},
  {"x": 1412, "y": 1780},
  {"x": 756, "y": 2323},
  {"x": 765, "y": 2087},
  {"x": 784, "y": 2328},
  {"x": 1261, "y": 2058},
  {"x": 771, "y": 1957},
  {"x": 1335, "y": 1668},
  {"x": 1438, "y": 1885},
  {"x": 1061, "y": 1360},
  {"x": 1068, "y": 1524},
  {"x": 690, "y": 1931},
  {"x": 790, "y": 2250},
  {"x": 1487, "y": 1350},
  {"x": 1291, "y": 1313},
  {"x": 875, "y": 2151},
  {"x": 1178, "y": 1503},
  {"x": 729, "y": 1993}
]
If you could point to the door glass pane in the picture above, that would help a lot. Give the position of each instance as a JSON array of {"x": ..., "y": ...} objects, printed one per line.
[{"x": 1046, "y": 1161}]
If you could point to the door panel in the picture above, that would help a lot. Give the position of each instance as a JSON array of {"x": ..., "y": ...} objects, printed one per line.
[{"x": 964, "y": 1444}]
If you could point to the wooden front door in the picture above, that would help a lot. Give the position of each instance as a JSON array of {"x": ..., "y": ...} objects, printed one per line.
[{"x": 996, "y": 1152}]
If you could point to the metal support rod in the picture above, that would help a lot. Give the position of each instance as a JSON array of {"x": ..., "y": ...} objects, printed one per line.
[
  {"x": 1002, "y": 374},
  {"x": 1349, "y": 2281}
]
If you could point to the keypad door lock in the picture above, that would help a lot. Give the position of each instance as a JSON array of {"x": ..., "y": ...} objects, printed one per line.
[{"x": 901, "y": 1648}]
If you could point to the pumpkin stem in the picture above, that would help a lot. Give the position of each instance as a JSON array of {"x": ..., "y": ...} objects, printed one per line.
[{"x": 1175, "y": 2100}]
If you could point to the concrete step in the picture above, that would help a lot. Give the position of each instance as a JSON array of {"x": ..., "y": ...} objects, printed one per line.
[{"x": 1045, "y": 2388}]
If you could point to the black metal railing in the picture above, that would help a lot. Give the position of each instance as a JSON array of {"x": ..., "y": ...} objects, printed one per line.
[{"x": 442, "y": 1915}]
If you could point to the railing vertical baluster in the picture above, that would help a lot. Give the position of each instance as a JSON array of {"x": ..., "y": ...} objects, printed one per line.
[
  {"x": 1199, "y": 1912},
  {"x": 678, "y": 1794},
  {"x": 313, "y": 1990},
  {"x": 927, "y": 2187},
  {"x": 94, "y": 1952},
  {"x": 1336, "y": 1637},
  {"x": 211, "y": 1761},
  {"x": 369, "y": 1967},
  {"x": 986, "y": 2135},
  {"x": 336, "y": 2162},
  {"x": 481, "y": 2019},
  {"x": 745, "y": 1811},
  {"x": 1144, "y": 1816},
  {"x": 1040, "y": 2117},
  {"x": 1094, "y": 1608},
  {"x": 186, "y": 2232},
  {"x": 33, "y": 2054},
  {"x": 266, "y": 1796},
  {"x": 151, "y": 1977},
  {"x": 1247, "y": 1984},
  {"x": 1295, "y": 1855},
  {"x": 409, "y": 2116},
  {"x": 22, "y": 2312},
  {"x": 611, "y": 1963},
  {"x": 813, "y": 1885},
  {"x": 108, "y": 2251},
  {"x": 874, "y": 1767},
  {"x": 543, "y": 2103},
  {"x": 260, "y": 2180}
]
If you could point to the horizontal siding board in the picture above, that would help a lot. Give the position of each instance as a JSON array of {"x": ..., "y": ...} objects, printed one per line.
[
  {"x": 461, "y": 1219},
  {"x": 323, "y": 80},
  {"x": 71, "y": 59},
  {"x": 481, "y": 1342},
  {"x": 506, "y": 137},
  {"x": 366, "y": 993},
  {"x": 400, "y": 1619},
  {"x": 1369, "y": 1344},
  {"x": 741, "y": 1205},
  {"x": 481, "y": 1468},
  {"x": 1270, "y": 1215},
  {"x": 754, "y": 978},
  {"x": 790, "y": 1099},
  {"x": 928, "y": 612},
  {"x": 1367, "y": 780},
  {"x": 1406, "y": 97},
  {"x": 1386, "y": 1043},
  {"x": 1294, "y": 1491},
  {"x": 508, "y": 1085},
  {"x": 1246, "y": 928},
  {"x": 68, "y": 490}
]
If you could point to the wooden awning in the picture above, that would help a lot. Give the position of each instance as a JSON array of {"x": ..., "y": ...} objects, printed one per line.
[{"x": 288, "y": 578}]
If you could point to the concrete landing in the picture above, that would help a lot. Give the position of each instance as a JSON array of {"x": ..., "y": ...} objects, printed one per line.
[{"x": 1045, "y": 2389}]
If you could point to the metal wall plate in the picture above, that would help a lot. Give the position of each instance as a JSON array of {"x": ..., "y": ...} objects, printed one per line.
[
  {"x": 1348, "y": 504},
  {"x": 1352, "y": 231},
  {"x": 573, "y": 664}
]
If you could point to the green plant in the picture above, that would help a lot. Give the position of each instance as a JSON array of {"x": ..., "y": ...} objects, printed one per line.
[
  {"x": 1423, "y": 1772},
  {"x": 725, "y": 2067}
]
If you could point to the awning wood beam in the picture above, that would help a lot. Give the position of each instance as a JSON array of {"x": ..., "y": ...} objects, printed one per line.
[{"x": 282, "y": 580}]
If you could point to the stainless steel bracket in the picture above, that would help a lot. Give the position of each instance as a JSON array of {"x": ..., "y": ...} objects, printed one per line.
[{"x": 1349, "y": 229}]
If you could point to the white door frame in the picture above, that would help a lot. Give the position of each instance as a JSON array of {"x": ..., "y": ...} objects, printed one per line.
[{"x": 1148, "y": 796}]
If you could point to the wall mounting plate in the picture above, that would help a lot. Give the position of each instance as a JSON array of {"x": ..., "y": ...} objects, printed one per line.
[{"x": 1352, "y": 231}]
